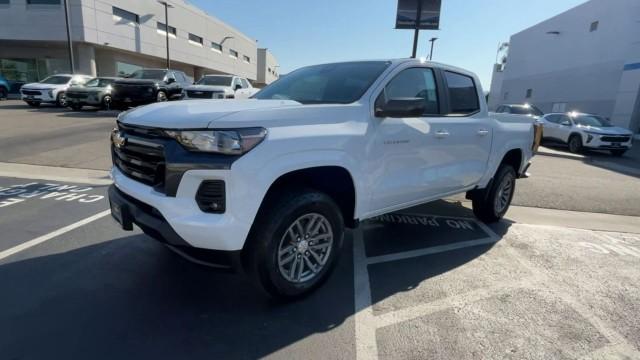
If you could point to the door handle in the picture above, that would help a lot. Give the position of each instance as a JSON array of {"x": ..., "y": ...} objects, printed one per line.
[
  {"x": 483, "y": 132},
  {"x": 440, "y": 134}
]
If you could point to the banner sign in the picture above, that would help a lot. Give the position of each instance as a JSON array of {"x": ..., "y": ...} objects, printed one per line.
[{"x": 407, "y": 17}]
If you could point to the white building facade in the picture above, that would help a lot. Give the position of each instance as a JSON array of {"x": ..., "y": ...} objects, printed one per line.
[
  {"x": 586, "y": 59},
  {"x": 117, "y": 37}
]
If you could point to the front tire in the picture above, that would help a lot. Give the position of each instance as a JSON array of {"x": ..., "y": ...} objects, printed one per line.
[
  {"x": 294, "y": 246},
  {"x": 575, "y": 144},
  {"x": 490, "y": 204},
  {"x": 161, "y": 96},
  {"x": 61, "y": 100},
  {"x": 106, "y": 102}
]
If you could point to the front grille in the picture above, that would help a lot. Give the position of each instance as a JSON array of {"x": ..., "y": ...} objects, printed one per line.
[
  {"x": 140, "y": 158},
  {"x": 211, "y": 196},
  {"x": 31, "y": 92},
  {"x": 616, "y": 138},
  {"x": 199, "y": 94}
]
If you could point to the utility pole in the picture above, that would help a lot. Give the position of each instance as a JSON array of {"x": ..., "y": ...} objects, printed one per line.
[
  {"x": 432, "y": 40},
  {"x": 69, "y": 43},
  {"x": 166, "y": 29},
  {"x": 416, "y": 34}
]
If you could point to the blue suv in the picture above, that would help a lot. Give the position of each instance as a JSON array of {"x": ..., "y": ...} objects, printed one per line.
[{"x": 4, "y": 87}]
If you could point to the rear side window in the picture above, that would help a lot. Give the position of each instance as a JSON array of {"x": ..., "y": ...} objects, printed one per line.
[
  {"x": 415, "y": 83},
  {"x": 463, "y": 95}
]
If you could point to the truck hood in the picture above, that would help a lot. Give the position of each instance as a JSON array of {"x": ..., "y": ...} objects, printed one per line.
[
  {"x": 196, "y": 114},
  {"x": 611, "y": 130},
  {"x": 209, "y": 88}
]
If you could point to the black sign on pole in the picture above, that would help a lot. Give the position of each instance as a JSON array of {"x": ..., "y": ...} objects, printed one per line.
[{"x": 418, "y": 15}]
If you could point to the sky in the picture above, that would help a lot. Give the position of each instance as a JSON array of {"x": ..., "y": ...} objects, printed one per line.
[{"x": 306, "y": 32}]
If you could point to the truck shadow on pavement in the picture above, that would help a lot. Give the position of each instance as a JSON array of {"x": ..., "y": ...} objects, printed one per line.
[{"x": 132, "y": 298}]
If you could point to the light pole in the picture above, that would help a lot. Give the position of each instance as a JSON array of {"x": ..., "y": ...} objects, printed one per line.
[
  {"x": 432, "y": 40},
  {"x": 69, "y": 44},
  {"x": 166, "y": 27}
]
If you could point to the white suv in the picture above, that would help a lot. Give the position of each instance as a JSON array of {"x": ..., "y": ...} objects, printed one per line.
[
  {"x": 220, "y": 87},
  {"x": 51, "y": 90},
  {"x": 580, "y": 131},
  {"x": 267, "y": 185}
]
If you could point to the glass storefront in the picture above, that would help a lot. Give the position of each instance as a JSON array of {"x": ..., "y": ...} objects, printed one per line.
[
  {"x": 21, "y": 71},
  {"x": 123, "y": 69}
]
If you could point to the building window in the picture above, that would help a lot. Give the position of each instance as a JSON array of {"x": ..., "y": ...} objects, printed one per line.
[
  {"x": 529, "y": 93},
  {"x": 246, "y": 59},
  {"x": 38, "y": 2},
  {"x": 195, "y": 39},
  {"x": 594, "y": 26},
  {"x": 506, "y": 96},
  {"x": 233, "y": 53},
  {"x": 162, "y": 29},
  {"x": 4, "y": 2},
  {"x": 216, "y": 47},
  {"x": 120, "y": 14}
]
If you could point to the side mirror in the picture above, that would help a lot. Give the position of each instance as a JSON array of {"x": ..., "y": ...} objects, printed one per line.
[
  {"x": 170, "y": 80},
  {"x": 400, "y": 107},
  {"x": 237, "y": 87}
]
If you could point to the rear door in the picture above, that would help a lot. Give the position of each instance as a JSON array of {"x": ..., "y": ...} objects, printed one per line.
[{"x": 464, "y": 134}]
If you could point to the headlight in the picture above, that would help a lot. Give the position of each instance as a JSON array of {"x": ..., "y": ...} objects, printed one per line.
[{"x": 228, "y": 142}]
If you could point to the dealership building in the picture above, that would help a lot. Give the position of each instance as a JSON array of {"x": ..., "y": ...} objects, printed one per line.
[
  {"x": 586, "y": 59},
  {"x": 117, "y": 37}
]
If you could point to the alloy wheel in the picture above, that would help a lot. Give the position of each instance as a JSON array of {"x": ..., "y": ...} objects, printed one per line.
[
  {"x": 503, "y": 194},
  {"x": 305, "y": 248}
]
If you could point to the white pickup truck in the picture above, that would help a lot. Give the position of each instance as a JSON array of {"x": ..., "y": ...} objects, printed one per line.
[
  {"x": 220, "y": 87},
  {"x": 267, "y": 185}
]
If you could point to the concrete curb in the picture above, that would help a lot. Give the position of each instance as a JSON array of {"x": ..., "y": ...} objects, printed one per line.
[{"x": 38, "y": 172}]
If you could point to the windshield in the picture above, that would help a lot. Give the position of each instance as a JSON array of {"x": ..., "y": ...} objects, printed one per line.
[
  {"x": 526, "y": 110},
  {"x": 148, "y": 74},
  {"x": 591, "y": 120},
  {"x": 56, "y": 80},
  {"x": 215, "y": 80},
  {"x": 340, "y": 83}
]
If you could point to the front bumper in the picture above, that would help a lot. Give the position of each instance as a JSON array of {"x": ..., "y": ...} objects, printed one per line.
[
  {"x": 128, "y": 211},
  {"x": 42, "y": 98},
  {"x": 597, "y": 144}
]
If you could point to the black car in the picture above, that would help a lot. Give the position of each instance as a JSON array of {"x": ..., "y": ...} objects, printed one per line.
[{"x": 148, "y": 86}]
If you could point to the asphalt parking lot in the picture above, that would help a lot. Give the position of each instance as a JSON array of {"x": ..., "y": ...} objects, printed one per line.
[{"x": 557, "y": 279}]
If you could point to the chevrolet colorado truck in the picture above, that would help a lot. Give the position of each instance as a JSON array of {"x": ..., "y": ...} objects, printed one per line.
[{"x": 268, "y": 185}]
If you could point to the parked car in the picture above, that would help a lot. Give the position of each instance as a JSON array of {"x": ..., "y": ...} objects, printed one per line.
[
  {"x": 4, "y": 87},
  {"x": 520, "y": 109},
  {"x": 220, "y": 87},
  {"x": 268, "y": 184},
  {"x": 148, "y": 86},
  {"x": 590, "y": 131},
  {"x": 51, "y": 90},
  {"x": 95, "y": 92}
]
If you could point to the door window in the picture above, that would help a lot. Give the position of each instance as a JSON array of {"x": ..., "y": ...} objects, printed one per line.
[
  {"x": 245, "y": 84},
  {"x": 463, "y": 95},
  {"x": 415, "y": 83}
]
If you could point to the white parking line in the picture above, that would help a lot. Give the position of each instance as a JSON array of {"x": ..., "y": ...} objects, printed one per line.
[
  {"x": 365, "y": 327},
  {"x": 51, "y": 235}
]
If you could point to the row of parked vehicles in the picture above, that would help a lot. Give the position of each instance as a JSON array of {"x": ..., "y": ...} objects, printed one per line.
[
  {"x": 142, "y": 87},
  {"x": 578, "y": 131}
]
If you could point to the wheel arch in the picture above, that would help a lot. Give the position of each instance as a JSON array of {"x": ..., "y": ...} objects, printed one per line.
[{"x": 334, "y": 180}]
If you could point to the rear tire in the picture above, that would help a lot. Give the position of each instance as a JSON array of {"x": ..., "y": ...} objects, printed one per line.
[
  {"x": 293, "y": 247},
  {"x": 490, "y": 204},
  {"x": 575, "y": 144},
  {"x": 618, "y": 153},
  {"x": 106, "y": 102},
  {"x": 161, "y": 96}
]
